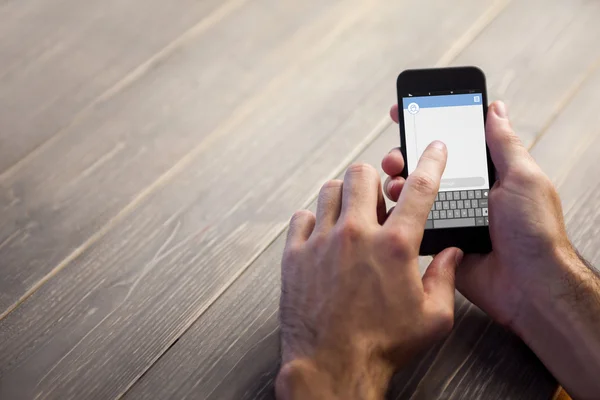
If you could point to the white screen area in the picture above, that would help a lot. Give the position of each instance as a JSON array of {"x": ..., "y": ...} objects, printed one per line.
[{"x": 456, "y": 120}]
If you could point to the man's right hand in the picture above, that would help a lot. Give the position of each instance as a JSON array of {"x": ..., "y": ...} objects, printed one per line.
[
  {"x": 529, "y": 279},
  {"x": 526, "y": 224}
]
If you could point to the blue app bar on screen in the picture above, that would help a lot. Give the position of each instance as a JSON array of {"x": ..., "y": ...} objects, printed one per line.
[{"x": 451, "y": 100}]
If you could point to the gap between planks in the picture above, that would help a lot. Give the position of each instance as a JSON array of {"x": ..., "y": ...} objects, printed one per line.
[
  {"x": 459, "y": 45},
  {"x": 560, "y": 106},
  {"x": 238, "y": 118},
  {"x": 565, "y": 100},
  {"x": 485, "y": 19},
  {"x": 364, "y": 144},
  {"x": 455, "y": 49},
  {"x": 133, "y": 76}
]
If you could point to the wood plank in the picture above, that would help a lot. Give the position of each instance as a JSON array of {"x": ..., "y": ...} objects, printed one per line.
[
  {"x": 232, "y": 351},
  {"x": 59, "y": 58},
  {"x": 55, "y": 204},
  {"x": 59, "y": 202},
  {"x": 583, "y": 218},
  {"x": 473, "y": 358},
  {"x": 248, "y": 326},
  {"x": 95, "y": 327},
  {"x": 569, "y": 153},
  {"x": 535, "y": 57}
]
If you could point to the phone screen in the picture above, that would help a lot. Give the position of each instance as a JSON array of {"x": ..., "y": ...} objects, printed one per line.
[{"x": 458, "y": 121}]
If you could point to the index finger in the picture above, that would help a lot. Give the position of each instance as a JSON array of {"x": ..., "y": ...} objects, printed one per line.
[{"x": 420, "y": 190}]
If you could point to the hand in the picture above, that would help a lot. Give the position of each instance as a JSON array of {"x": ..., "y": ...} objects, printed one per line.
[
  {"x": 526, "y": 223},
  {"x": 354, "y": 306},
  {"x": 533, "y": 281}
]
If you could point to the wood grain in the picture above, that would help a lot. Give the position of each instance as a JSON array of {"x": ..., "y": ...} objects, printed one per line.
[
  {"x": 492, "y": 353},
  {"x": 99, "y": 170},
  {"x": 121, "y": 232},
  {"x": 62, "y": 57},
  {"x": 256, "y": 335},
  {"x": 535, "y": 57},
  {"x": 569, "y": 152},
  {"x": 478, "y": 356},
  {"x": 119, "y": 303},
  {"x": 67, "y": 196},
  {"x": 479, "y": 360}
]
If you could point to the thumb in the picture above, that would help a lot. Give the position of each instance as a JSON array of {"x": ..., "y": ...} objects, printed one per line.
[
  {"x": 505, "y": 146},
  {"x": 438, "y": 280},
  {"x": 477, "y": 279}
]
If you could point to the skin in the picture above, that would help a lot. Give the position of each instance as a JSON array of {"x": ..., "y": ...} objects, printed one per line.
[{"x": 354, "y": 307}]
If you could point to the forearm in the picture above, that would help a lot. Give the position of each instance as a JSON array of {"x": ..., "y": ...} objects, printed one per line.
[
  {"x": 306, "y": 379},
  {"x": 561, "y": 323}
]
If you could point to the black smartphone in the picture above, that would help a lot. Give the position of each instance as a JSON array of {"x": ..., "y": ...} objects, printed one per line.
[{"x": 450, "y": 105}]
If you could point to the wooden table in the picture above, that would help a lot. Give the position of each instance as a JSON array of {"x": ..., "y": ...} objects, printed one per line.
[{"x": 151, "y": 153}]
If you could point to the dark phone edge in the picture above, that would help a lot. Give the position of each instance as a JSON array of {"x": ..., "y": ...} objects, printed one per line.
[{"x": 470, "y": 239}]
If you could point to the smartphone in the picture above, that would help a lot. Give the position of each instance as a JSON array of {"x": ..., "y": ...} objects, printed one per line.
[{"x": 450, "y": 105}]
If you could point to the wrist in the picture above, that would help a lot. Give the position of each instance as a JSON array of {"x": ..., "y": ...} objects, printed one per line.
[
  {"x": 547, "y": 297},
  {"x": 560, "y": 323},
  {"x": 325, "y": 377}
]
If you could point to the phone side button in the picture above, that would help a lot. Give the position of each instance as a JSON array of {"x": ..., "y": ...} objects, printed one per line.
[{"x": 453, "y": 223}]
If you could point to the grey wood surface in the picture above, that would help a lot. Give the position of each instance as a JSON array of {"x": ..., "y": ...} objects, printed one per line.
[
  {"x": 178, "y": 244},
  {"x": 569, "y": 152},
  {"x": 61, "y": 58},
  {"x": 479, "y": 359},
  {"x": 150, "y": 131},
  {"x": 105, "y": 164},
  {"x": 536, "y": 56},
  {"x": 478, "y": 353},
  {"x": 150, "y": 157}
]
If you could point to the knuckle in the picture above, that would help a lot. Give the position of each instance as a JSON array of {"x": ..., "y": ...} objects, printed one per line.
[
  {"x": 348, "y": 230},
  {"x": 505, "y": 134},
  {"x": 423, "y": 184},
  {"x": 528, "y": 174},
  {"x": 521, "y": 174},
  {"x": 319, "y": 240},
  {"x": 301, "y": 215},
  {"x": 361, "y": 168},
  {"x": 333, "y": 184},
  {"x": 397, "y": 242},
  {"x": 511, "y": 138}
]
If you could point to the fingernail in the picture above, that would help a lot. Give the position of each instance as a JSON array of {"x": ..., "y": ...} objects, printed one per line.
[
  {"x": 438, "y": 145},
  {"x": 500, "y": 109},
  {"x": 458, "y": 256}
]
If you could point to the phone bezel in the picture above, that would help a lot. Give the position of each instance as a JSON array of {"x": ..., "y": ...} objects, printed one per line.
[{"x": 469, "y": 239}]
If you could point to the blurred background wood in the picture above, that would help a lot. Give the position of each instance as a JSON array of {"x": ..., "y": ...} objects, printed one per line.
[{"x": 152, "y": 153}]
